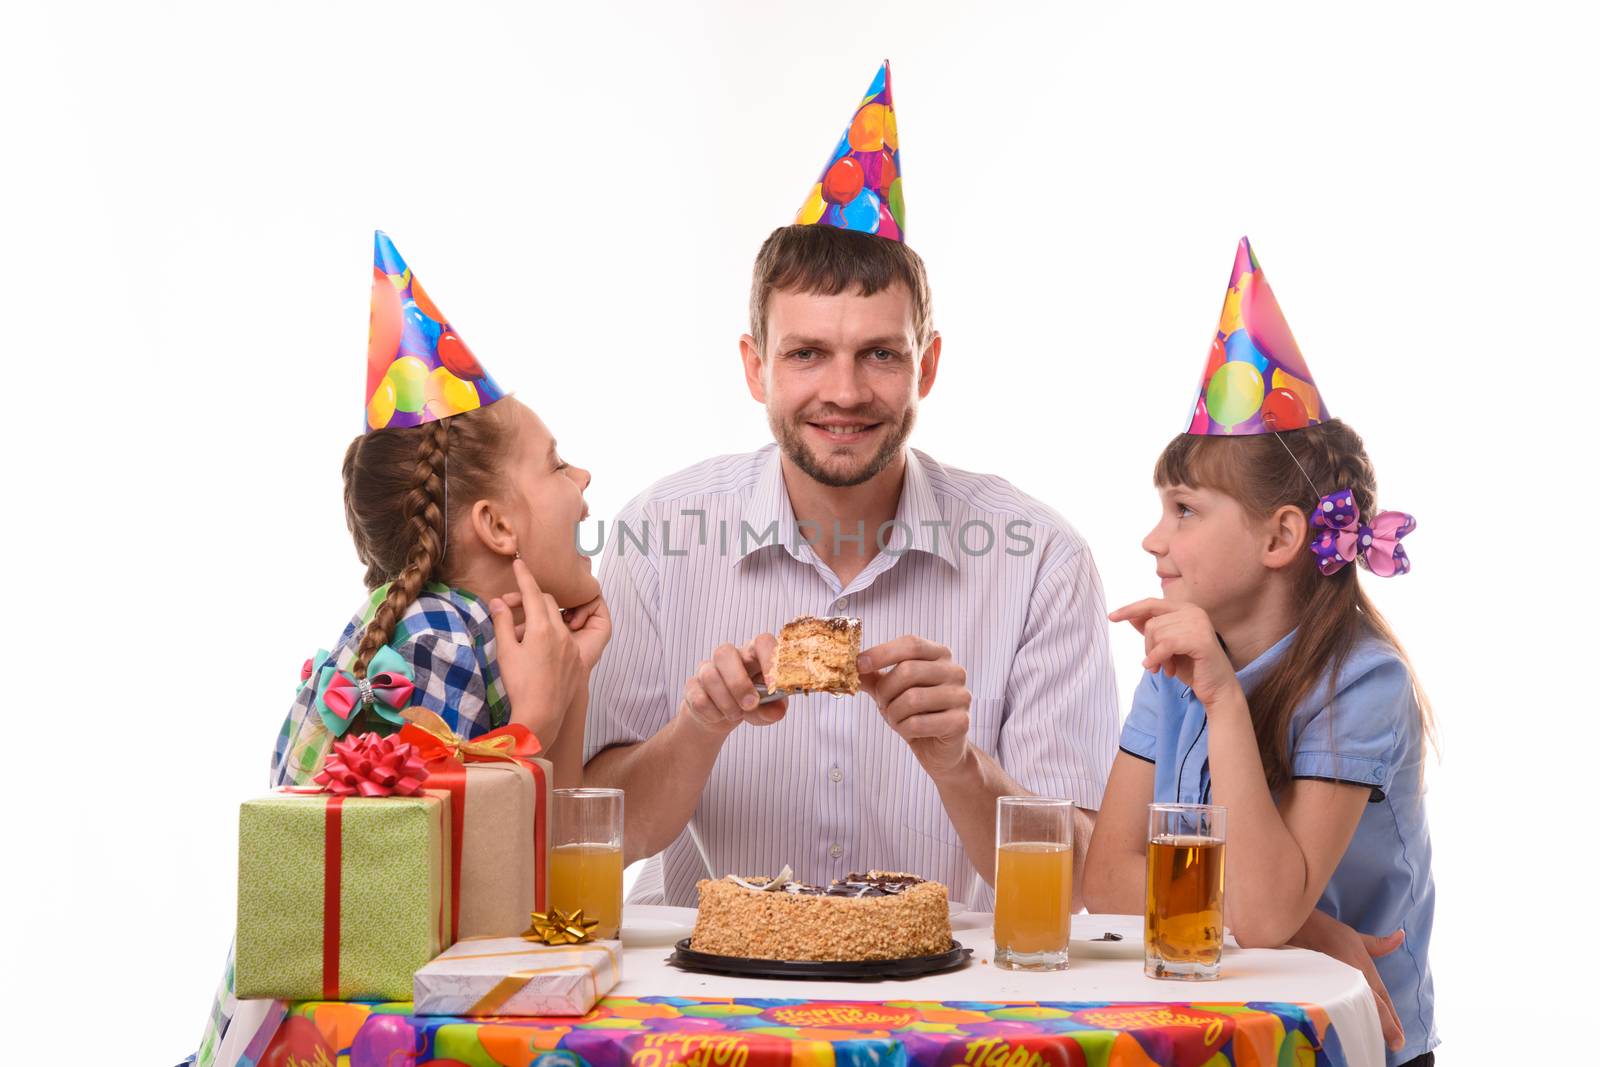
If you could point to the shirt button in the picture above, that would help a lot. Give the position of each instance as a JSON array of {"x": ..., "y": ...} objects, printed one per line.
[
  {"x": 835, "y": 851},
  {"x": 838, "y": 605},
  {"x": 836, "y": 775}
]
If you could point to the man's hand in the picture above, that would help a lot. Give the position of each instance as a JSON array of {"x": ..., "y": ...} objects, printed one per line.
[
  {"x": 922, "y": 694},
  {"x": 1327, "y": 935},
  {"x": 721, "y": 693}
]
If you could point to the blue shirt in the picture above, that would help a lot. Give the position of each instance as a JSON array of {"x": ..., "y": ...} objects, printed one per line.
[{"x": 1368, "y": 734}]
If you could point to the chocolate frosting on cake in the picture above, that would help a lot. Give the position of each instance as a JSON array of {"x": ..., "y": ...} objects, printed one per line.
[
  {"x": 871, "y": 884},
  {"x": 875, "y": 884}
]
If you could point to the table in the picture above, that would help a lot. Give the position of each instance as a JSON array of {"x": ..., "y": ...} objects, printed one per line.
[{"x": 1271, "y": 1007}]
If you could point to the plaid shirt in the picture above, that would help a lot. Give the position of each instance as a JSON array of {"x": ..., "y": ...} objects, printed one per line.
[{"x": 447, "y": 640}]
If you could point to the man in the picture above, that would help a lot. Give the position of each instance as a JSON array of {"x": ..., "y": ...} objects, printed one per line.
[{"x": 988, "y": 671}]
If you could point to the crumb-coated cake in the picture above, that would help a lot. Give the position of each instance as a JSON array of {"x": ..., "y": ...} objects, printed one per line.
[
  {"x": 818, "y": 656},
  {"x": 880, "y": 915}
]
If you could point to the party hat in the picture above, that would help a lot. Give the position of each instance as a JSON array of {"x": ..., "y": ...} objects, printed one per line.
[
  {"x": 860, "y": 186},
  {"x": 418, "y": 368},
  {"x": 1256, "y": 381}
]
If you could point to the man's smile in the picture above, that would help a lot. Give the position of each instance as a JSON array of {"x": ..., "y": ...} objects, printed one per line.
[{"x": 842, "y": 431}]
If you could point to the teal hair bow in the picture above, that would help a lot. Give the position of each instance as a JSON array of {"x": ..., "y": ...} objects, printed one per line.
[{"x": 386, "y": 689}]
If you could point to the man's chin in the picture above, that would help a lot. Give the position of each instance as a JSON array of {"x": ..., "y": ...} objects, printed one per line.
[
  {"x": 841, "y": 465},
  {"x": 839, "y": 471}
]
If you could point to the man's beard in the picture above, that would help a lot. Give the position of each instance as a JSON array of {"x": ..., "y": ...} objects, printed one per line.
[{"x": 791, "y": 440}]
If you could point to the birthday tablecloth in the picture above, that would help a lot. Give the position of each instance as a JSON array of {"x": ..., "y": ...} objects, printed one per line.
[
  {"x": 787, "y": 1032},
  {"x": 1284, "y": 1008}
]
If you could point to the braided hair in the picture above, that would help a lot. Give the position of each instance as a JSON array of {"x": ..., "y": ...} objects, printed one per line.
[
  {"x": 402, "y": 490},
  {"x": 1296, "y": 470}
]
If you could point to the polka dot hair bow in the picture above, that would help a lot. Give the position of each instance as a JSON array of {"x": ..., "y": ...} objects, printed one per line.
[{"x": 1345, "y": 539}]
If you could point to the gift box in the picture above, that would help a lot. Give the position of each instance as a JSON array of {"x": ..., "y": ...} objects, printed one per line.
[
  {"x": 500, "y": 797},
  {"x": 511, "y": 976},
  {"x": 340, "y": 897},
  {"x": 499, "y": 831}
]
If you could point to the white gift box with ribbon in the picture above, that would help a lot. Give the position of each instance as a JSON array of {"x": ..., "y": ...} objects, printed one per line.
[{"x": 512, "y": 976}]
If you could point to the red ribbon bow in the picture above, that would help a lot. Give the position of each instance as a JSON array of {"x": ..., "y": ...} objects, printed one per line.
[{"x": 367, "y": 765}]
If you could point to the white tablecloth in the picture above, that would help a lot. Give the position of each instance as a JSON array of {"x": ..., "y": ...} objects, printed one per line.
[{"x": 1291, "y": 975}]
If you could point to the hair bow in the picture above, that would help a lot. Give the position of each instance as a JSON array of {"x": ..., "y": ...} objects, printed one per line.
[
  {"x": 311, "y": 667},
  {"x": 386, "y": 689},
  {"x": 367, "y": 765},
  {"x": 1345, "y": 539}
]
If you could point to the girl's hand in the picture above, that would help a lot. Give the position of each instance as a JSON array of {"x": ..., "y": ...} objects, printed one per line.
[
  {"x": 590, "y": 625},
  {"x": 540, "y": 662},
  {"x": 1327, "y": 935},
  {"x": 1180, "y": 641}
]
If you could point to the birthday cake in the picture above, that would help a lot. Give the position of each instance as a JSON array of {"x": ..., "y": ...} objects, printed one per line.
[
  {"x": 880, "y": 915},
  {"x": 818, "y": 656}
]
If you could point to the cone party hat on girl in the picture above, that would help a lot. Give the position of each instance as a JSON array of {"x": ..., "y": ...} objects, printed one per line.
[
  {"x": 1255, "y": 381},
  {"x": 860, "y": 185},
  {"x": 418, "y": 368}
]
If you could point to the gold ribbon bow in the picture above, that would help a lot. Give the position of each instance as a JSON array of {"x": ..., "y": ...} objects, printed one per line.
[
  {"x": 510, "y": 742},
  {"x": 557, "y": 927}
]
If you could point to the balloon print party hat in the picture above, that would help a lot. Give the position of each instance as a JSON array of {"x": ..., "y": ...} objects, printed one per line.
[
  {"x": 1255, "y": 381},
  {"x": 860, "y": 186},
  {"x": 418, "y": 368}
]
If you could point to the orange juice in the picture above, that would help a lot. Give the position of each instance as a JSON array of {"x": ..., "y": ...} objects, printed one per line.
[
  {"x": 589, "y": 876},
  {"x": 1033, "y": 897}
]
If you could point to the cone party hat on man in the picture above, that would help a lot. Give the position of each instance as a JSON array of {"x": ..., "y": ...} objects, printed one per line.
[{"x": 860, "y": 185}]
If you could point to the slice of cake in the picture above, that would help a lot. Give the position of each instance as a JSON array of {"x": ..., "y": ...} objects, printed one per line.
[
  {"x": 880, "y": 915},
  {"x": 818, "y": 656}
]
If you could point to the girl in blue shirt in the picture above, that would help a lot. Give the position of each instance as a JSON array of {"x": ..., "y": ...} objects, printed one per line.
[{"x": 1273, "y": 686}]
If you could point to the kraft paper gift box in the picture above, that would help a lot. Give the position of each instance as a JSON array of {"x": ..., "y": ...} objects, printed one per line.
[
  {"x": 511, "y": 976},
  {"x": 340, "y": 898},
  {"x": 501, "y": 825},
  {"x": 500, "y": 811}
]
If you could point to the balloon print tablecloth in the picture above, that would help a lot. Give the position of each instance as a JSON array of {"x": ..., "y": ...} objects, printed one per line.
[
  {"x": 1284, "y": 1008},
  {"x": 778, "y": 1032}
]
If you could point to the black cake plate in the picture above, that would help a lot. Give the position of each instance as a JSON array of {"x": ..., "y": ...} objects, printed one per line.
[{"x": 856, "y": 970}]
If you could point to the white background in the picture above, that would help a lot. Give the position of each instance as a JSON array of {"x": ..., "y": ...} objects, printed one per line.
[{"x": 189, "y": 195}]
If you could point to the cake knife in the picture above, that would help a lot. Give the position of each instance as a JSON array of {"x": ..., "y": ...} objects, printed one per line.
[{"x": 767, "y": 696}]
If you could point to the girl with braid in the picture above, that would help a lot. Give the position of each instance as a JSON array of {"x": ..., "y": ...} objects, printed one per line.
[
  {"x": 481, "y": 607},
  {"x": 1273, "y": 686}
]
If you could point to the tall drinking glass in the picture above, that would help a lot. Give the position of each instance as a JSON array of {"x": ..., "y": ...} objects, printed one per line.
[
  {"x": 1183, "y": 891},
  {"x": 586, "y": 860},
  {"x": 1032, "y": 883}
]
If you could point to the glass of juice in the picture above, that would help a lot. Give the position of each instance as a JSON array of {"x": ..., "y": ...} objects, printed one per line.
[
  {"x": 1183, "y": 891},
  {"x": 586, "y": 857},
  {"x": 1032, "y": 883}
]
